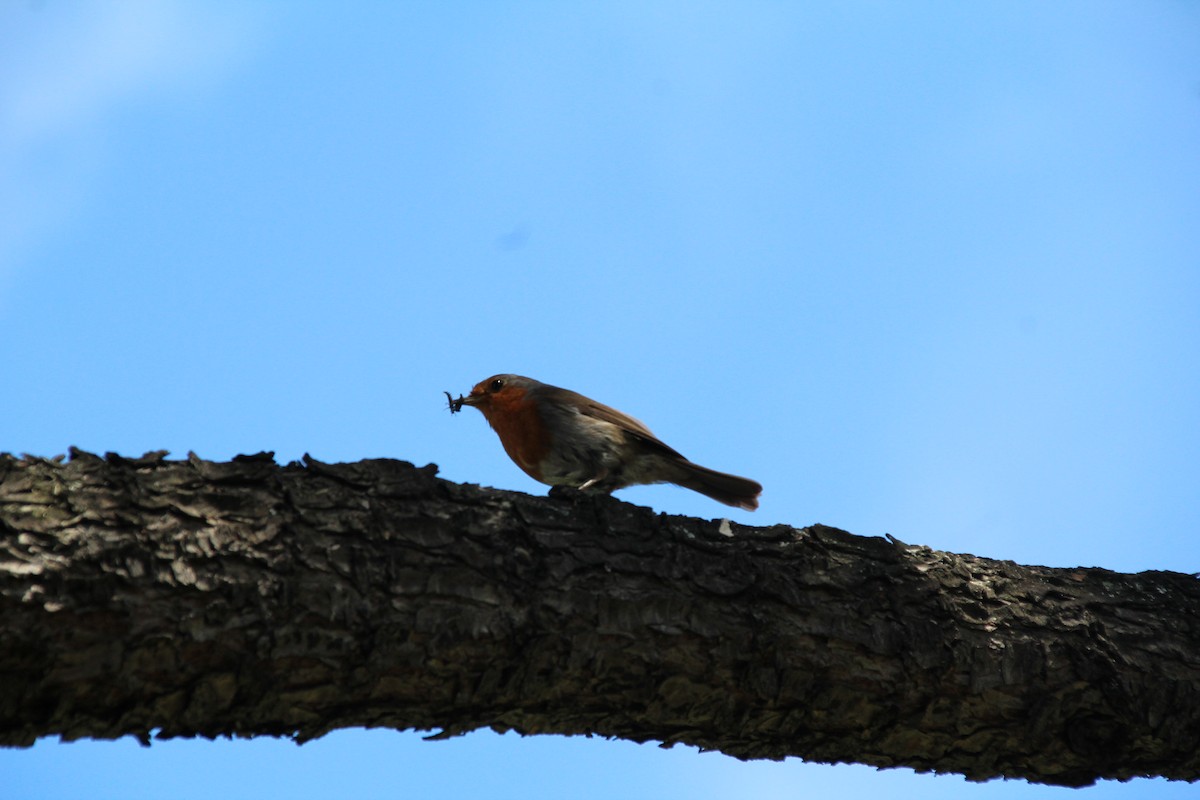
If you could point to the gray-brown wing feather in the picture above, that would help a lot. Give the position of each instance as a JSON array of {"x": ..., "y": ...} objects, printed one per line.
[
  {"x": 732, "y": 490},
  {"x": 622, "y": 421},
  {"x": 722, "y": 487}
]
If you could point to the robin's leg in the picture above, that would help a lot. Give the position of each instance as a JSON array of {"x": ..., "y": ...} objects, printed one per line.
[{"x": 594, "y": 480}]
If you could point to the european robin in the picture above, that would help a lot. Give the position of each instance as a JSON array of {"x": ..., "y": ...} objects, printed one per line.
[{"x": 562, "y": 438}]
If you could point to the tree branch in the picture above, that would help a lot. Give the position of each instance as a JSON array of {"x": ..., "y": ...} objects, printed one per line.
[{"x": 178, "y": 598}]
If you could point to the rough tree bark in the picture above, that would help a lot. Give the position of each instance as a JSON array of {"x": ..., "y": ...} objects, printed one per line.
[{"x": 178, "y": 598}]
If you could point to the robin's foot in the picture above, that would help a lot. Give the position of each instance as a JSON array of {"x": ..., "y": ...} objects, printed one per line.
[{"x": 569, "y": 493}]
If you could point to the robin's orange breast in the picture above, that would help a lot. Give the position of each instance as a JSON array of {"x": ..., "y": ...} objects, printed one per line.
[{"x": 515, "y": 418}]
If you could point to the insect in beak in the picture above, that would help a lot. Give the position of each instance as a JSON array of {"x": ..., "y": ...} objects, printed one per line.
[{"x": 455, "y": 405}]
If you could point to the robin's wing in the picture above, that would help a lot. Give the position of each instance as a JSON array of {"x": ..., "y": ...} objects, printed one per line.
[{"x": 627, "y": 423}]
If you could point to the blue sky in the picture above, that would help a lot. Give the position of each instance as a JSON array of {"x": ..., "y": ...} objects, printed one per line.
[{"x": 929, "y": 269}]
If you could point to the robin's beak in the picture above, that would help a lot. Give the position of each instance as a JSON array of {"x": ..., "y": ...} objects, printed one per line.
[{"x": 472, "y": 399}]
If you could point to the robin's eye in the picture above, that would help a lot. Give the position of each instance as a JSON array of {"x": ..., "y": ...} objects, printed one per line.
[{"x": 496, "y": 385}]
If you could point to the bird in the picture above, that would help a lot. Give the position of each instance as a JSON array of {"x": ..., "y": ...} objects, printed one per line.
[{"x": 561, "y": 438}]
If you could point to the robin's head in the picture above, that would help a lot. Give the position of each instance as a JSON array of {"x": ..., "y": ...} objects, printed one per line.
[{"x": 499, "y": 391}]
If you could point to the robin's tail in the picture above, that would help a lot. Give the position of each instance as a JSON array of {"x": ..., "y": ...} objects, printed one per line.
[{"x": 728, "y": 489}]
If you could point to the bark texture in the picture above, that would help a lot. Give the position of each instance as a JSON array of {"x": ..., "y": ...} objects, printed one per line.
[{"x": 180, "y": 598}]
